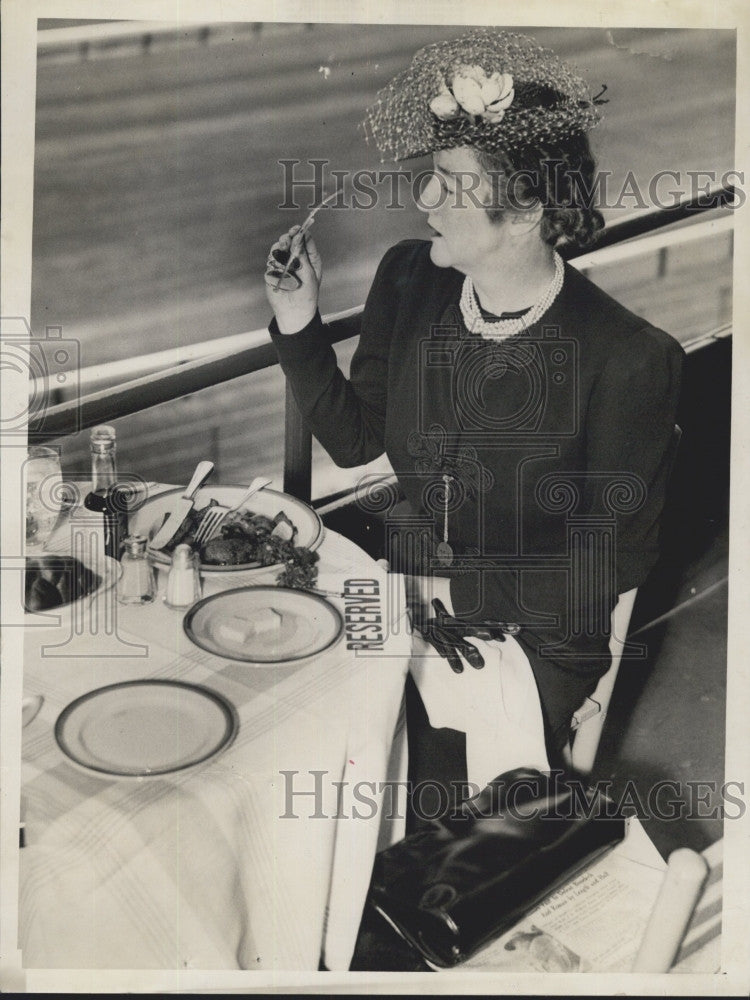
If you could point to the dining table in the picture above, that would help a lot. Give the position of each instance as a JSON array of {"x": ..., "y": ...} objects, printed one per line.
[{"x": 257, "y": 857}]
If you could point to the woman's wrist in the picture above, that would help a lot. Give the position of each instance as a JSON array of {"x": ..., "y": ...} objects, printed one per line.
[
  {"x": 294, "y": 323},
  {"x": 310, "y": 327}
]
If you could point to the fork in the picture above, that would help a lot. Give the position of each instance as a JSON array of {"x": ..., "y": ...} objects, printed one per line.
[{"x": 214, "y": 516}]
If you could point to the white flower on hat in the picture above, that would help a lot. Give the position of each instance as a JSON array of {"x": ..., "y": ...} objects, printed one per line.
[
  {"x": 476, "y": 93},
  {"x": 498, "y": 94},
  {"x": 445, "y": 105},
  {"x": 467, "y": 89}
]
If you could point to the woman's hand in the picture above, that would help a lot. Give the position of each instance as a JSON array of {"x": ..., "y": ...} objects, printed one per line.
[
  {"x": 445, "y": 633},
  {"x": 295, "y": 301},
  {"x": 425, "y": 618}
]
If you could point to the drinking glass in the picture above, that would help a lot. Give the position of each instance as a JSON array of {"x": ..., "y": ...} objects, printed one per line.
[{"x": 43, "y": 478}]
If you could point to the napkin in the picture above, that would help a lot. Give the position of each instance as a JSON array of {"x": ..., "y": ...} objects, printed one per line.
[{"x": 497, "y": 706}]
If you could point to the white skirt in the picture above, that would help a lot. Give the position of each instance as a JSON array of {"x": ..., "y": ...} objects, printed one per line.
[{"x": 497, "y": 706}]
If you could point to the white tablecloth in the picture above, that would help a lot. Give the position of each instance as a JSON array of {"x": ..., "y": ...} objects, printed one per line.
[{"x": 222, "y": 866}]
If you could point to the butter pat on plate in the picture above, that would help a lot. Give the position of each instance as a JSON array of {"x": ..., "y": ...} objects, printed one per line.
[
  {"x": 237, "y": 631},
  {"x": 264, "y": 625}
]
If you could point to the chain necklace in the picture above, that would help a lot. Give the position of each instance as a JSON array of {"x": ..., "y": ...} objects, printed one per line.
[
  {"x": 444, "y": 552},
  {"x": 500, "y": 329}
]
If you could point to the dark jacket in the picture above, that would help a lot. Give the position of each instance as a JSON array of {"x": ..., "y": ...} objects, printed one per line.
[{"x": 557, "y": 445}]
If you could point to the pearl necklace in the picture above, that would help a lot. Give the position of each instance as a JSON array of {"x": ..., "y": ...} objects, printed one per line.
[{"x": 500, "y": 329}]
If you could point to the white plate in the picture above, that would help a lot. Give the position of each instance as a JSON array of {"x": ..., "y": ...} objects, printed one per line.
[
  {"x": 108, "y": 570},
  {"x": 264, "y": 625},
  {"x": 145, "y": 728},
  {"x": 148, "y": 519}
]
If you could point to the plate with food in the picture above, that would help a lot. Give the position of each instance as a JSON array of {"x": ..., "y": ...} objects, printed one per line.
[
  {"x": 264, "y": 533},
  {"x": 144, "y": 728},
  {"x": 264, "y": 625},
  {"x": 54, "y": 581}
]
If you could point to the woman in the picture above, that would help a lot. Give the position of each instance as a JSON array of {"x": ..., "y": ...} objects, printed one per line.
[{"x": 527, "y": 415}]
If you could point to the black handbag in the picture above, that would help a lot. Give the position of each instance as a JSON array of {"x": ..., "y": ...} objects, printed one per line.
[{"x": 465, "y": 879}]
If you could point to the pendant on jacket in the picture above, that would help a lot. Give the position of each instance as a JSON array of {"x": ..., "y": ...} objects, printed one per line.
[{"x": 444, "y": 554}]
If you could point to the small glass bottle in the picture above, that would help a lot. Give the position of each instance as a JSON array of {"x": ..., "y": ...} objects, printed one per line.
[
  {"x": 103, "y": 463},
  {"x": 136, "y": 584},
  {"x": 183, "y": 582}
]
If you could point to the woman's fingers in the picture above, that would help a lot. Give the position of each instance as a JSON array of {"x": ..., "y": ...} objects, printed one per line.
[
  {"x": 313, "y": 256},
  {"x": 283, "y": 265},
  {"x": 452, "y": 649},
  {"x": 299, "y": 246},
  {"x": 451, "y": 645},
  {"x": 441, "y": 643},
  {"x": 471, "y": 654},
  {"x": 292, "y": 279},
  {"x": 301, "y": 251},
  {"x": 448, "y": 650},
  {"x": 283, "y": 243},
  {"x": 280, "y": 256}
]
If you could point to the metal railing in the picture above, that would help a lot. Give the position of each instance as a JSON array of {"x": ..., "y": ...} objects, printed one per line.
[
  {"x": 660, "y": 244},
  {"x": 180, "y": 380}
]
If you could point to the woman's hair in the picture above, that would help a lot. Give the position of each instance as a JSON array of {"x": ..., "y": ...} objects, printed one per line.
[{"x": 560, "y": 176}]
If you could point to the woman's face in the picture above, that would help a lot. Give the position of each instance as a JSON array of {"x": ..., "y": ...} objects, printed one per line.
[{"x": 454, "y": 200}]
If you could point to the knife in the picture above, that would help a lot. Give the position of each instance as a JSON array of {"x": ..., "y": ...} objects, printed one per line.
[{"x": 182, "y": 507}]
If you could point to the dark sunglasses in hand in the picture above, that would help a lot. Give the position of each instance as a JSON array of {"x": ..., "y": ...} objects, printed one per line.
[{"x": 275, "y": 269}]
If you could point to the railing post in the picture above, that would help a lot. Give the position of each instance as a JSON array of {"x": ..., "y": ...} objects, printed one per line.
[{"x": 297, "y": 451}]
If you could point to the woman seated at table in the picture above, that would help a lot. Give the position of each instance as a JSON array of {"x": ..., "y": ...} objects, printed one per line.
[{"x": 527, "y": 415}]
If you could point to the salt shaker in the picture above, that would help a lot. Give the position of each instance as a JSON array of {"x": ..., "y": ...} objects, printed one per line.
[
  {"x": 183, "y": 582},
  {"x": 136, "y": 584}
]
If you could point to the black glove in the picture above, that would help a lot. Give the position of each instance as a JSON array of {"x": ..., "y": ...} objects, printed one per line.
[{"x": 447, "y": 634}]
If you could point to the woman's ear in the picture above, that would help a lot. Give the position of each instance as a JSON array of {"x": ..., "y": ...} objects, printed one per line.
[{"x": 526, "y": 220}]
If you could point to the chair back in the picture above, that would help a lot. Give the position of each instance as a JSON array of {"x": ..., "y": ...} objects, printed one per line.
[{"x": 588, "y": 721}]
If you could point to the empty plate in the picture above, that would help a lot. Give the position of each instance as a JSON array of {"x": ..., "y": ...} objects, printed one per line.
[
  {"x": 145, "y": 728},
  {"x": 264, "y": 624}
]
